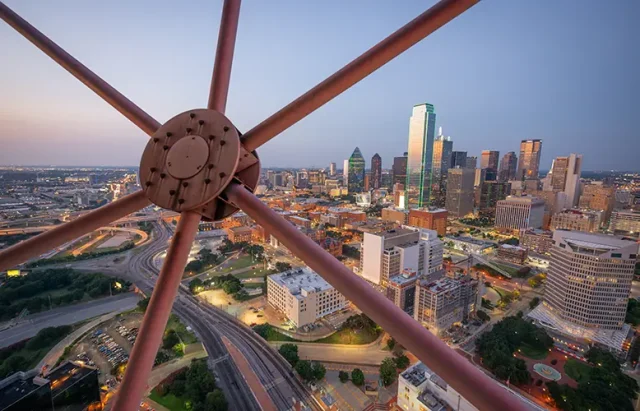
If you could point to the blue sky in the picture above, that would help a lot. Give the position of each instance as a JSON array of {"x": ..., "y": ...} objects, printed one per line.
[{"x": 565, "y": 71}]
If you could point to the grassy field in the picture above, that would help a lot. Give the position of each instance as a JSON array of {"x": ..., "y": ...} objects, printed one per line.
[
  {"x": 533, "y": 353},
  {"x": 169, "y": 401},
  {"x": 237, "y": 263},
  {"x": 256, "y": 272},
  {"x": 348, "y": 336},
  {"x": 186, "y": 336},
  {"x": 513, "y": 272},
  {"x": 576, "y": 370}
]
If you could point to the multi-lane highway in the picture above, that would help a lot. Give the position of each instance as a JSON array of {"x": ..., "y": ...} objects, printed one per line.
[{"x": 210, "y": 324}]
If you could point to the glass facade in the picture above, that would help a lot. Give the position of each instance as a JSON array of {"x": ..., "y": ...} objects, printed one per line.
[
  {"x": 422, "y": 126},
  {"x": 442, "y": 149},
  {"x": 356, "y": 172},
  {"x": 529, "y": 166}
]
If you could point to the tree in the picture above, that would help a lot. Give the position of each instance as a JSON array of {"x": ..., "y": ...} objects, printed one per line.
[
  {"x": 318, "y": 371},
  {"x": 290, "y": 353},
  {"x": 484, "y": 317},
  {"x": 357, "y": 377},
  {"x": 402, "y": 361},
  {"x": 263, "y": 330},
  {"x": 231, "y": 286},
  {"x": 343, "y": 376},
  {"x": 391, "y": 342},
  {"x": 196, "y": 285},
  {"x": 304, "y": 369},
  {"x": 170, "y": 339},
  {"x": 534, "y": 302},
  {"x": 388, "y": 371},
  {"x": 215, "y": 401},
  {"x": 282, "y": 266}
]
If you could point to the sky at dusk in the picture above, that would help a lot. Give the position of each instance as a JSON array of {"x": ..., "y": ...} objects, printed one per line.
[{"x": 563, "y": 71}]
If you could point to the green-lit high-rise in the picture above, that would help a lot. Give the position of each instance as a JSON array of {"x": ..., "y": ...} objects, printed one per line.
[
  {"x": 356, "y": 172},
  {"x": 422, "y": 127}
]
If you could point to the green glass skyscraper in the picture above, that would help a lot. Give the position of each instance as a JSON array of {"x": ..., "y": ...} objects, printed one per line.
[
  {"x": 422, "y": 127},
  {"x": 356, "y": 172}
]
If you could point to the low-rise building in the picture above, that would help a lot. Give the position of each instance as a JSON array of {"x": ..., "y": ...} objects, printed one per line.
[
  {"x": 299, "y": 221},
  {"x": 259, "y": 234},
  {"x": 303, "y": 295},
  {"x": 420, "y": 389},
  {"x": 536, "y": 240},
  {"x": 439, "y": 304},
  {"x": 468, "y": 244},
  {"x": 625, "y": 223},
  {"x": 430, "y": 218},
  {"x": 239, "y": 234},
  {"x": 518, "y": 212},
  {"x": 331, "y": 245},
  {"x": 512, "y": 253},
  {"x": 396, "y": 215},
  {"x": 576, "y": 220},
  {"x": 401, "y": 289}
]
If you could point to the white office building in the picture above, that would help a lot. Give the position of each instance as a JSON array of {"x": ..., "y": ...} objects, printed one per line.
[
  {"x": 519, "y": 212},
  {"x": 303, "y": 296},
  {"x": 388, "y": 253}
]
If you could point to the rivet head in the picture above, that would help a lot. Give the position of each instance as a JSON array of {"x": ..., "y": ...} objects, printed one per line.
[
  {"x": 172, "y": 192},
  {"x": 156, "y": 139},
  {"x": 188, "y": 129},
  {"x": 165, "y": 147},
  {"x": 181, "y": 200},
  {"x": 163, "y": 175},
  {"x": 211, "y": 137},
  {"x": 222, "y": 142},
  {"x": 210, "y": 166},
  {"x": 207, "y": 180},
  {"x": 153, "y": 169},
  {"x": 148, "y": 183},
  {"x": 201, "y": 122},
  {"x": 222, "y": 175},
  {"x": 169, "y": 134},
  {"x": 192, "y": 115},
  {"x": 226, "y": 128},
  {"x": 185, "y": 184}
]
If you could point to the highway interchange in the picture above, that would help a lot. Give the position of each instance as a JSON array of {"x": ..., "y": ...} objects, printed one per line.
[{"x": 210, "y": 324}]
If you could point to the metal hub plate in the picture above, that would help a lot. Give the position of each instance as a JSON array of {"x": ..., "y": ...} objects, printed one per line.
[{"x": 190, "y": 160}]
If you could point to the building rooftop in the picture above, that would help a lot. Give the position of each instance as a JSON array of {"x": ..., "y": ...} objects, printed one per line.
[
  {"x": 470, "y": 240},
  {"x": 240, "y": 230},
  {"x": 299, "y": 279},
  {"x": 525, "y": 199},
  {"x": 511, "y": 247},
  {"x": 66, "y": 375},
  {"x": 17, "y": 386},
  {"x": 441, "y": 285},
  {"x": 591, "y": 240},
  {"x": 404, "y": 278},
  {"x": 430, "y": 210}
]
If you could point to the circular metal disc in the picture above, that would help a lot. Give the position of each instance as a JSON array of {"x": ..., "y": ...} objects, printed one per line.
[{"x": 190, "y": 160}]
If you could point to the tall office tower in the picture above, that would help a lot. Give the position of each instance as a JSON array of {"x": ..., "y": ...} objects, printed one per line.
[
  {"x": 472, "y": 162},
  {"x": 389, "y": 253},
  {"x": 422, "y": 125},
  {"x": 516, "y": 213},
  {"x": 459, "y": 200},
  {"x": 332, "y": 169},
  {"x": 376, "y": 172},
  {"x": 489, "y": 193},
  {"x": 356, "y": 172},
  {"x": 529, "y": 165},
  {"x": 458, "y": 159},
  {"x": 302, "y": 178},
  {"x": 442, "y": 148},
  {"x": 587, "y": 291},
  {"x": 345, "y": 173},
  {"x": 599, "y": 198},
  {"x": 489, "y": 161},
  {"x": 565, "y": 176},
  {"x": 400, "y": 169},
  {"x": 508, "y": 167}
]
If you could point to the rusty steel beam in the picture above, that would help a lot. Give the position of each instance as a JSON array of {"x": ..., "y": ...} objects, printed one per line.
[
  {"x": 224, "y": 56},
  {"x": 112, "y": 96},
  {"x": 157, "y": 314},
  {"x": 56, "y": 237},
  {"x": 470, "y": 382},
  {"x": 376, "y": 57}
]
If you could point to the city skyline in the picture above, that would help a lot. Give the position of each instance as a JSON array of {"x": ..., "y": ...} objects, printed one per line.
[{"x": 511, "y": 92}]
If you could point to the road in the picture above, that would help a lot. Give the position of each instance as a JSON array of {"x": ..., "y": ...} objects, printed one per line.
[
  {"x": 210, "y": 324},
  {"x": 65, "y": 316}
]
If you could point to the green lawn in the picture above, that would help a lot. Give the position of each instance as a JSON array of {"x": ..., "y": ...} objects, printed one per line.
[
  {"x": 169, "y": 401},
  {"x": 348, "y": 336},
  {"x": 242, "y": 262},
  {"x": 576, "y": 370},
  {"x": 187, "y": 337},
  {"x": 533, "y": 352},
  {"x": 253, "y": 273},
  {"x": 513, "y": 272}
]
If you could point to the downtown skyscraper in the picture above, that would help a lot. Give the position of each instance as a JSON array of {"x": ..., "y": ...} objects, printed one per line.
[
  {"x": 489, "y": 162},
  {"x": 442, "y": 149},
  {"x": 508, "y": 167},
  {"x": 376, "y": 171},
  {"x": 422, "y": 127},
  {"x": 400, "y": 169},
  {"x": 356, "y": 172},
  {"x": 529, "y": 165}
]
